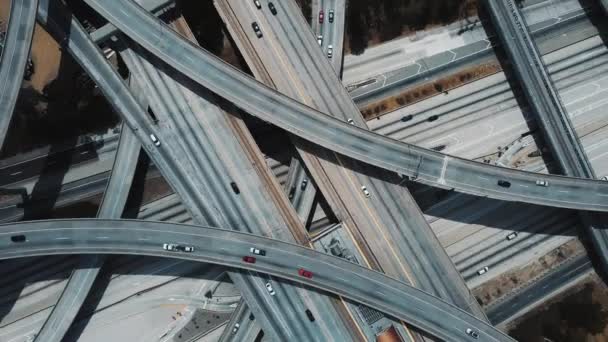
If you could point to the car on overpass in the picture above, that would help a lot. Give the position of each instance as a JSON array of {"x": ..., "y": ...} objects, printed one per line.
[
  {"x": 256, "y": 251},
  {"x": 504, "y": 183},
  {"x": 249, "y": 259},
  {"x": 305, "y": 273},
  {"x": 173, "y": 247},
  {"x": 542, "y": 183},
  {"x": 474, "y": 334}
]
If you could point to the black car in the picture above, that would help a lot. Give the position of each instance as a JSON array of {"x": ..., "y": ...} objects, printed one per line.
[
  {"x": 272, "y": 9},
  {"x": 292, "y": 192},
  {"x": 235, "y": 188},
  {"x": 330, "y": 17},
  {"x": 407, "y": 118},
  {"x": 18, "y": 238},
  {"x": 310, "y": 316},
  {"x": 304, "y": 184},
  {"x": 504, "y": 183},
  {"x": 256, "y": 29}
]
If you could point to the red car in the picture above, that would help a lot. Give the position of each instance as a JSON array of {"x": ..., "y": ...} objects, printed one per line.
[
  {"x": 321, "y": 17},
  {"x": 305, "y": 273},
  {"x": 249, "y": 259}
]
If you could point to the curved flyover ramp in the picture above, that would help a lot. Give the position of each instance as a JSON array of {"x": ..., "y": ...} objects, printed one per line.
[
  {"x": 423, "y": 165},
  {"x": 21, "y": 23},
  {"x": 225, "y": 247}
]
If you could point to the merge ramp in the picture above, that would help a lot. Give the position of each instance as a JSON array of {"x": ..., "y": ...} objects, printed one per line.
[
  {"x": 82, "y": 279},
  {"x": 224, "y": 246}
]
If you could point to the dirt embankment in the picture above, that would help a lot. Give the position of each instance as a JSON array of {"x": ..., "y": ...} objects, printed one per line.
[
  {"x": 427, "y": 90},
  {"x": 493, "y": 290},
  {"x": 579, "y": 314}
]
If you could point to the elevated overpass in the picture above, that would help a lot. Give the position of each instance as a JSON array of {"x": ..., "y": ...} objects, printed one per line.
[
  {"x": 17, "y": 43},
  {"x": 226, "y": 247}
]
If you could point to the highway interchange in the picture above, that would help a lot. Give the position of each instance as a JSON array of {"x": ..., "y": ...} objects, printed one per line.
[{"x": 207, "y": 155}]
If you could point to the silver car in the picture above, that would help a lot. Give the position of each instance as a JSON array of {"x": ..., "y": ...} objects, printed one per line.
[
  {"x": 270, "y": 289},
  {"x": 365, "y": 191},
  {"x": 155, "y": 140},
  {"x": 483, "y": 270}
]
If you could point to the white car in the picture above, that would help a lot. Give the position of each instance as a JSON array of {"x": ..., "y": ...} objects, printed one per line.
[
  {"x": 330, "y": 51},
  {"x": 483, "y": 270},
  {"x": 172, "y": 247},
  {"x": 605, "y": 178},
  {"x": 270, "y": 289},
  {"x": 169, "y": 246},
  {"x": 351, "y": 121},
  {"x": 542, "y": 183},
  {"x": 365, "y": 192},
  {"x": 155, "y": 140},
  {"x": 257, "y": 251},
  {"x": 257, "y": 4},
  {"x": 512, "y": 236},
  {"x": 236, "y": 328},
  {"x": 320, "y": 39},
  {"x": 474, "y": 334}
]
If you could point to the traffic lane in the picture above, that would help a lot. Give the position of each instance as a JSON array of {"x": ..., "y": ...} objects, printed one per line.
[
  {"x": 560, "y": 192},
  {"x": 31, "y": 168},
  {"x": 248, "y": 93},
  {"x": 291, "y": 59},
  {"x": 227, "y": 248},
  {"x": 314, "y": 62},
  {"x": 69, "y": 193},
  {"x": 509, "y": 307}
]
